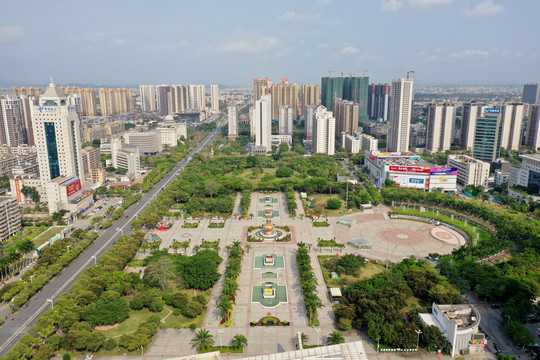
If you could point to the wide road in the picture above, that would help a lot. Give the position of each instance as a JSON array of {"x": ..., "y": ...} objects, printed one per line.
[{"x": 17, "y": 325}]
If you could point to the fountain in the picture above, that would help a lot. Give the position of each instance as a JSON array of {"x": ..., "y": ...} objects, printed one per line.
[{"x": 268, "y": 228}]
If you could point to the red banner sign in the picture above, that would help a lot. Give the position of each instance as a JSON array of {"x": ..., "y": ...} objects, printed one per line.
[
  {"x": 73, "y": 187},
  {"x": 414, "y": 169}
]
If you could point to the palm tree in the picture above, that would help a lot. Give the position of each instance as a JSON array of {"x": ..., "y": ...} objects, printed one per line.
[
  {"x": 248, "y": 247},
  {"x": 203, "y": 340},
  {"x": 304, "y": 338},
  {"x": 335, "y": 337},
  {"x": 224, "y": 306},
  {"x": 238, "y": 341}
]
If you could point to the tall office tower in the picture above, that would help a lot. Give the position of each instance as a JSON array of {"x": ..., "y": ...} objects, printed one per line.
[
  {"x": 531, "y": 93},
  {"x": 164, "y": 99},
  {"x": 232, "y": 121},
  {"x": 261, "y": 87},
  {"x": 197, "y": 97},
  {"x": 57, "y": 135},
  {"x": 27, "y": 103},
  {"x": 89, "y": 106},
  {"x": 440, "y": 126},
  {"x": 148, "y": 97},
  {"x": 262, "y": 118},
  {"x": 379, "y": 99},
  {"x": 180, "y": 99},
  {"x": 115, "y": 101},
  {"x": 284, "y": 94},
  {"x": 533, "y": 127},
  {"x": 471, "y": 112},
  {"x": 355, "y": 89},
  {"x": 401, "y": 99},
  {"x": 346, "y": 117},
  {"x": 28, "y": 91},
  {"x": 11, "y": 121},
  {"x": 331, "y": 88},
  {"x": 487, "y": 137},
  {"x": 311, "y": 95},
  {"x": 214, "y": 98},
  {"x": 308, "y": 125},
  {"x": 324, "y": 131},
  {"x": 512, "y": 121},
  {"x": 285, "y": 119}
]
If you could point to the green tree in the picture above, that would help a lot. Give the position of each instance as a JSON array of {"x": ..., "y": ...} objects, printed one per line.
[
  {"x": 333, "y": 204},
  {"x": 519, "y": 333},
  {"x": 283, "y": 148},
  {"x": 159, "y": 273},
  {"x": 335, "y": 337},
  {"x": 203, "y": 340},
  {"x": 109, "y": 309},
  {"x": 284, "y": 171},
  {"x": 200, "y": 271},
  {"x": 238, "y": 341},
  {"x": 32, "y": 192}
]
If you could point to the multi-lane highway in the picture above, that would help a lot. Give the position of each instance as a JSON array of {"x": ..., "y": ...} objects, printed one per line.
[{"x": 17, "y": 324}]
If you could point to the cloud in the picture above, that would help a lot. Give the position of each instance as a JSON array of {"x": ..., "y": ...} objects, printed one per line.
[
  {"x": 468, "y": 54},
  {"x": 485, "y": 8},
  {"x": 427, "y": 3},
  {"x": 10, "y": 34},
  {"x": 250, "y": 47},
  {"x": 164, "y": 47},
  {"x": 293, "y": 16},
  {"x": 349, "y": 50},
  {"x": 392, "y": 5}
]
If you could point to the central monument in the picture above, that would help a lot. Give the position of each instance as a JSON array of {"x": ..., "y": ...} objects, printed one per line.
[{"x": 268, "y": 228}]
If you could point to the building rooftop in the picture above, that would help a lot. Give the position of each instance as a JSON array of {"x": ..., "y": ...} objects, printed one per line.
[
  {"x": 406, "y": 161},
  {"x": 463, "y": 315},
  {"x": 464, "y": 159}
]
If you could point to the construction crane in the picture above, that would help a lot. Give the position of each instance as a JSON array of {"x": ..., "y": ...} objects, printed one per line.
[
  {"x": 364, "y": 71},
  {"x": 408, "y": 72},
  {"x": 330, "y": 72}
]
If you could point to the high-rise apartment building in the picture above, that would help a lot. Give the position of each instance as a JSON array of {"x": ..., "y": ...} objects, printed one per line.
[
  {"x": 180, "y": 99},
  {"x": 91, "y": 158},
  {"x": 197, "y": 97},
  {"x": 308, "y": 122},
  {"x": 28, "y": 91},
  {"x": 311, "y": 95},
  {"x": 378, "y": 101},
  {"x": 115, "y": 101},
  {"x": 164, "y": 99},
  {"x": 401, "y": 99},
  {"x": 531, "y": 93},
  {"x": 533, "y": 127},
  {"x": 331, "y": 88},
  {"x": 10, "y": 217},
  {"x": 12, "y": 131},
  {"x": 284, "y": 94},
  {"x": 346, "y": 117},
  {"x": 262, "y": 117},
  {"x": 440, "y": 126},
  {"x": 487, "y": 137},
  {"x": 355, "y": 89},
  {"x": 261, "y": 87},
  {"x": 232, "y": 121},
  {"x": 285, "y": 119},
  {"x": 88, "y": 105},
  {"x": 148, "y": 97},
  {"x": 324, "y": 127},
  {"x": 214, "y": 98},
  {"x": 471, "y": 112},
  {"x": 512, "y": 120}
]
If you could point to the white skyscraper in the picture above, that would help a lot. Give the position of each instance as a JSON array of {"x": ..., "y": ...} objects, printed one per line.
[
  {"x": 471, "y": 112},
  {"x": 262, "y": 117},
  {"x": 285, "y": 120},
  {"x": 400, "y": 114},
  {"x": 308, "y": 122},
  {"x": 214, "y": 98},
  {"x": 148, "y": 97},
  {"x": 324, "y": 131},
  {"x": 440, "y": 126},
  {"x": 197, "y": 97},
  {"x": 232, "y": 121},
  {"x": 512, "y": 117}
]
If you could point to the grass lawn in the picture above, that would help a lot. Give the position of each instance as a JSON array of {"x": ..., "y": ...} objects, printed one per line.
[
  {"x": 366, "y": 272},
  {"x": 136, "y": 317},
  {"x": 136, "y": 263},
  {"x": 319, "y": 203},
  {"x": 47, "y": 235},
  {"x": 223, "y": 350}
]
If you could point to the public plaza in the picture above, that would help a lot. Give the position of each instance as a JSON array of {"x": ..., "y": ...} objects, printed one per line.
[{"x": 397, "y": 238}]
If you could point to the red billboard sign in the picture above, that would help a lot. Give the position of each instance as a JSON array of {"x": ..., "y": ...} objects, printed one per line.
[
  {"x": 73, "y": 187},
  {"x": 414, "y": 169}
]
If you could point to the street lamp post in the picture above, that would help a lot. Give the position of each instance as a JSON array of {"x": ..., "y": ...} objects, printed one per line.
[
  {"x": 220, "y": 331},
  {"x": 377, "y": 344},
  {"x": 52, "y": 303},
  {"x": 31, "y": 276},
  {"x": 95, "y": 259},
  {"x": 387, "y": 246},
  {"x": 68, "y": 248},
  {"x": 318, "y": 330},
  {"x": 122, "y": 230},
  {"x": 418, "y": 332}
]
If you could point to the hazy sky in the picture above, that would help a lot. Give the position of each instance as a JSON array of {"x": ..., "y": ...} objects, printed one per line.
[{"x": 118, "y": 42}]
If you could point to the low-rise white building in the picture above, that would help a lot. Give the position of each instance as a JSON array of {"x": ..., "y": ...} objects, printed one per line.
[
  {"x": 125, "y": 156},
  {"x": 350, "y": 143},
  {"x": 148, "y": 142},
  {"x": 527, "y": 174},
  {"x": 471, "y": 171},
  {"x": 459, "y": 324}
]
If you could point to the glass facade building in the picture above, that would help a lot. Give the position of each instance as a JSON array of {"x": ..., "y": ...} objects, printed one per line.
[{"x": 487, "y": 138}]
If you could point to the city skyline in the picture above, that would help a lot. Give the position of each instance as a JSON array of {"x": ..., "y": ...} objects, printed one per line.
[{"x": 446, "y": 42}]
